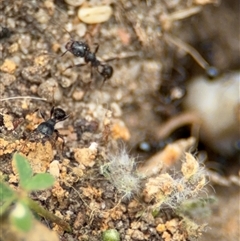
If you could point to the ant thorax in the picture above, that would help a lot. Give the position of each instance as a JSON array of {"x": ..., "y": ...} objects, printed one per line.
[
  {"x": 78, "y": 49},
  {"x": 91, "y": 57}
]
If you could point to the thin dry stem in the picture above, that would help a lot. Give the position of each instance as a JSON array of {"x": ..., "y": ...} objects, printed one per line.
[
  {"x": 187, "y": 118},
  {"x": 23, "y": 97},
  {"x": 187, "y": 48},
  {"x": 184, "y": 13}
]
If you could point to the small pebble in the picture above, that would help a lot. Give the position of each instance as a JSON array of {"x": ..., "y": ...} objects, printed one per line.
[
  {"x": 7, "y": 79},
  {"x": 33, "y": 88},
  {"x": 8, "y": 66},
  {"x": 32, "y": 74},
  {"x": 50, "y": 90},
  {"x": 13, "y": 48},
  {"x": 54, "y": 168},
  {"x": 66, "y": 82},
  {"x": 95, "y": 15},
  {"x": 42, "y": 60},
  {"x": 137, "y": 235},
  {"x": 74, "y": 3},
  {"x": 78, "y": 95},
  {"x": 42, "y": 16},
  {"x": 117, "y": 112},
  {"x": 24, "y": 43},
  {"x": 81, "y": 29}
]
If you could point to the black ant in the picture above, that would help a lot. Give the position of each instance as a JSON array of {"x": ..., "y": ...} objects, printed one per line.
[
  {"x": 82, "y": 50},
  {"x": 47, "y": 127}
]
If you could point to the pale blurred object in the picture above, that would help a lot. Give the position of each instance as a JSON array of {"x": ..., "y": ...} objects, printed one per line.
[
  {"x": 95, "y": 15},
  {"x": 217, "y": 105}
]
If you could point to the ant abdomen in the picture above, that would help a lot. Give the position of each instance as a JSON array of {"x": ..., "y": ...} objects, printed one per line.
[
  {"x": 106, "y": 71},
  {"x": 47, "y": 128}
]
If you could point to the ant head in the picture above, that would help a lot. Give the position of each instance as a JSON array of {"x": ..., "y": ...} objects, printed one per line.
[
  {"x": 58, "y": 114},
  {"x": 68, "y": 45}
]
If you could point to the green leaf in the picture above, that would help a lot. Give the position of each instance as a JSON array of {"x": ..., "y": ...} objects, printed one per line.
[
  {"x": 24, "y": 169},
  {"x": 5, "y": 192},
  {"x": 40, "y": 181},
  {"x": 111, "y": 235},
  {"x": 7, "y": 196},
  {"x": 21, "y": 217},
  {"x": 4, "y": 207}
]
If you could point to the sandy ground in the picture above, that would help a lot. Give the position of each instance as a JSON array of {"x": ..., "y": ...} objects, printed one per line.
[{"x": 138, "y": 108}]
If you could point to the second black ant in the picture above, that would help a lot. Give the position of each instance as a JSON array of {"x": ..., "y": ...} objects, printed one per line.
[
  {"x": 47, "y": 128},
  {"x": 82, "y": 50}
]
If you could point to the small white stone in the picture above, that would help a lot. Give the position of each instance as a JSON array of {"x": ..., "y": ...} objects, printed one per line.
[
  {"x": 81, "y": 29},
  {"x": 93, "y": 146},
  {"x": 74, "y": 3},
  {"x": 95, "y": 15}
]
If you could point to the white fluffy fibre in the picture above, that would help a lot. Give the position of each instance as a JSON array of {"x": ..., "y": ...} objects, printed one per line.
[{"x": 121, "y": 173}]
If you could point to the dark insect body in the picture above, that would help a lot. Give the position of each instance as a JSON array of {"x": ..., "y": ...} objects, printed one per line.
[
  {"x": 4, "y": 32},
  {"x": 82, "y": 50},
  {"x": 47, "y": 127}
]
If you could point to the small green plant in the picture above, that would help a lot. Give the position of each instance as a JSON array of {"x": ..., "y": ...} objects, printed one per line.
[
  {"x": 111, "y": 235},
  {"x": 20, "y": 214}
]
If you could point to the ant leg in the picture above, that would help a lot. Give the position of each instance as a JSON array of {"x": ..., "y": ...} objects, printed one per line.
[
  {"x": 32, "y": 134},
  {"x": 97, "y": 47},
  {"x": 51, "y": 112},
  {"x": 65, "y": 117},
  {"x": 61, "y": 137},
  {"x": 72, "y": 66},
  {"x": 91, "y": 74},
  {"x": 104, "y": 79},
  {"x": 64, "y": 53},
  {"x": 111, "y": 59},
  {"x": 73, "y": 87},
  {"x": 42, "y": 115}
]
